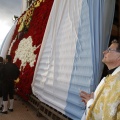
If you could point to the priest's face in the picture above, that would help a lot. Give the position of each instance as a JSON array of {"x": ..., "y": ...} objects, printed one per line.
[{"x": 111, "y": 55}]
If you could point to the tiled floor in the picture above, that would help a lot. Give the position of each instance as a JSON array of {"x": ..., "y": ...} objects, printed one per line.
[{"x": 22, "y": 111}]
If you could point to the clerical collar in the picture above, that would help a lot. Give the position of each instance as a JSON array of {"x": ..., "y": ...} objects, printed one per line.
[{"x": 111, "y": 71}]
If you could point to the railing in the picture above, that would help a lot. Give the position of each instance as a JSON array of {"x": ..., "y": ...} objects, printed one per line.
[{"x": 45, "y": 110}]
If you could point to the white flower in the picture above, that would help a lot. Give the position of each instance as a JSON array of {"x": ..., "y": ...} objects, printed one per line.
[
  {"x": 11, "y": 46},
  {"x": 25, "y": 52}
]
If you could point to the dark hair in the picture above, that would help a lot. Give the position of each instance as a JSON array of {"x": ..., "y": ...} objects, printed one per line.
[
  {"x": 1, "y": 59},
  {"x": 9, "y": 58},
  {"x": 118, "y": 42}
]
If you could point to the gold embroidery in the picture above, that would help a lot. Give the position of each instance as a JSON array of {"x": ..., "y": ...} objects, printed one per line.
[{"x": 106, "y": 104}]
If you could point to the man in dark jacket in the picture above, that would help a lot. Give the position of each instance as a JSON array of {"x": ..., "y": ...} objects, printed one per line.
[
  {"x": 1, "y": 78},
  {"x": 10, "y": 73}
]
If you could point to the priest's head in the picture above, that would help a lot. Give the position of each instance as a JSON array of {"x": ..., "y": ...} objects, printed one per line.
[{"x": 112, "y": 55}]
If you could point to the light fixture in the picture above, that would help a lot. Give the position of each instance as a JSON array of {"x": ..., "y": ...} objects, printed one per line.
[{"x": 15, "y": 18}]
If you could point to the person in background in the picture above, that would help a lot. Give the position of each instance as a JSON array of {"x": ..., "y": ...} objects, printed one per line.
[
  {"x": 10, "y": 73},
  {"x": 1, "y": 77},
  {"x": 104, "y": 103}
]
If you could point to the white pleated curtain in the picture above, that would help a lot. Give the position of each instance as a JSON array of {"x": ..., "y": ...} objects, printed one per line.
[{"x": 70, "y": 57}]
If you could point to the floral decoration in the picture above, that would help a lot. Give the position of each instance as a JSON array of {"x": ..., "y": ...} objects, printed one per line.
[{"x": 26, "y": 43}]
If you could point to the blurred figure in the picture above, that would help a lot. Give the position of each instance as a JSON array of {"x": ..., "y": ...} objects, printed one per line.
[
  {"x": 1, "y": 78},
  {"x": 10, "y": 73}
]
